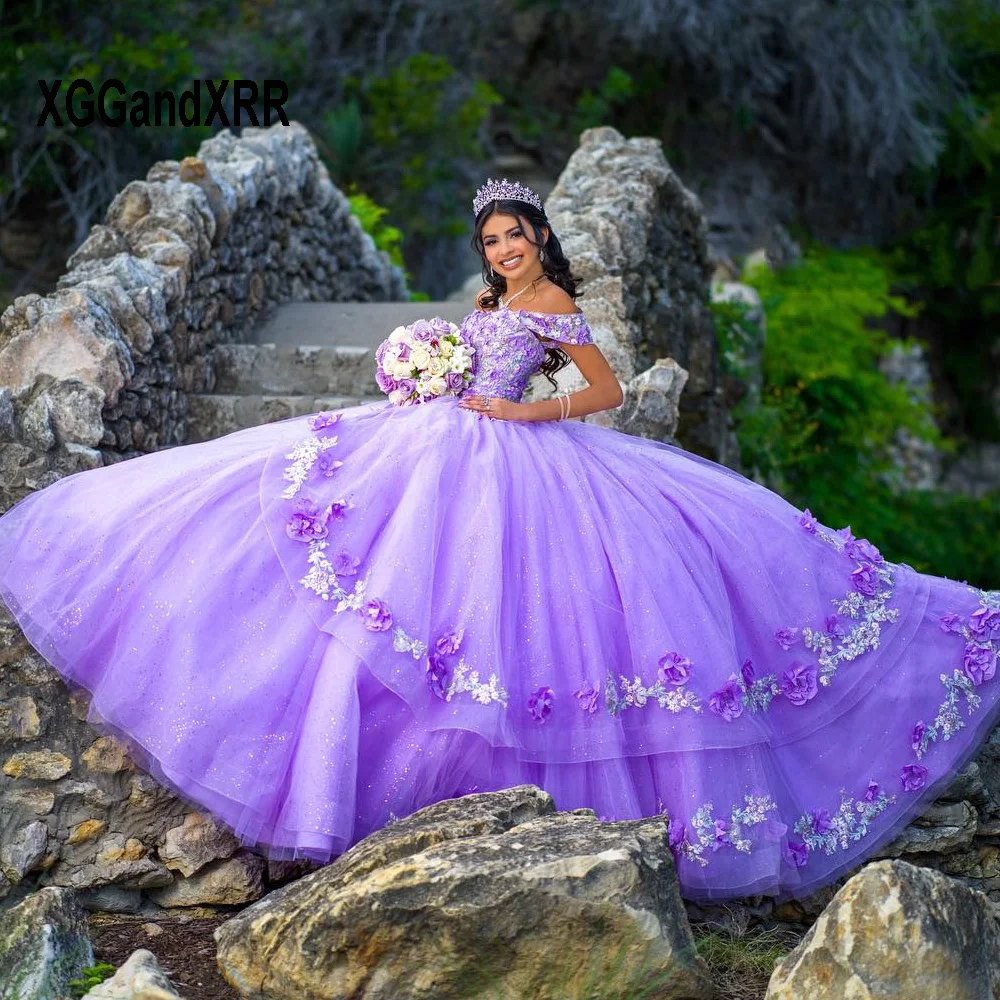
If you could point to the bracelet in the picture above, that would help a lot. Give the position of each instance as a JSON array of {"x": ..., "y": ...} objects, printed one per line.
[
  {"x": 564, "y": 415},
  {"x": 560, "y": 400}
]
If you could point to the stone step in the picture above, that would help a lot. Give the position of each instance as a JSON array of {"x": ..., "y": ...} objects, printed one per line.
[
  {"x": 213, "y": 415},
  {"x": 287, "y": 369},
  {"x": 350, "y": 324}
]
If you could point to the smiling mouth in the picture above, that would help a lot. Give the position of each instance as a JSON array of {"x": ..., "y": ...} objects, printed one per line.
[{"x": 511, "y": 262}]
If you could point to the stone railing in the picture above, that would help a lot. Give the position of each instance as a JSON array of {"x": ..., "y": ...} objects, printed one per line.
[
  {"x": 188, "y": 258},
  {"x": 636, "y": 239}
]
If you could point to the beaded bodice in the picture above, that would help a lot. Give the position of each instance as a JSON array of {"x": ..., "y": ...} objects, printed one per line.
[{"x": 510, "y": 346}]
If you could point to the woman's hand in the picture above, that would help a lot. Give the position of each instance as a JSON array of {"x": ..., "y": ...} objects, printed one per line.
[{"x": 499, "y": 408}]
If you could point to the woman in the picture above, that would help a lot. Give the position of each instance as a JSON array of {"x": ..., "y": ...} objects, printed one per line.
[{"x": 313, "y": 627}]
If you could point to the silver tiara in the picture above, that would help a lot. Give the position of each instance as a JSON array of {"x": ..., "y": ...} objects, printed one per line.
[{"x": 494, "y": 190}]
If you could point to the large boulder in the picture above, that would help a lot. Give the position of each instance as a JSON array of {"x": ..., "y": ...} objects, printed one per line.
[
  {"x": 895, "y": 930},
  {"x": 491, "y": 894},
  {"x": 44, "y": 945}
]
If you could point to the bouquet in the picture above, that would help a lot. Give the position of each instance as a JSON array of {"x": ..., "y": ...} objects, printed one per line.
[{"x": 426, "y": 359}]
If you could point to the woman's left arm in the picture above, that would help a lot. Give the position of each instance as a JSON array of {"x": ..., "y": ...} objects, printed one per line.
[{"x": 603, "y": 392}]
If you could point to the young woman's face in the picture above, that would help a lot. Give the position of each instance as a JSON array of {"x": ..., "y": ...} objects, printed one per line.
[{"x": 507, "y": 248}]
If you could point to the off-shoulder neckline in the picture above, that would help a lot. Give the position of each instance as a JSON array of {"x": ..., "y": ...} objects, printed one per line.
[{"x": 530, "y": 312}]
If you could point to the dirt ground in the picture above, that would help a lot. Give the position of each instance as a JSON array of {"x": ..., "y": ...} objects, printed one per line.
[{"x": 185, "y": 950}]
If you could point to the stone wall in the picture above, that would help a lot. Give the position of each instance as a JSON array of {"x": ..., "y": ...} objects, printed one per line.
[
  {"x": 636, "y": 239},
  {"x": 188, "y": 258}
]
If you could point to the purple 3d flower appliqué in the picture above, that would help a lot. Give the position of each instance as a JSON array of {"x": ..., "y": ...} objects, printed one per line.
[
  {"x": 540, "y": 703},
  {"x": 727, "y": 701},
  {"x": 588, "y": 697},
  {"x": 449, "y": 641},
  {"x": 821, "y": 822},
  {"x": 437, "y": 675},
  {"x": 325, "y": 418},
  {"x": 917, "y": 736},
  {"x": 951, "y": 623},
  {"x": 871, "y": 792},
  {"x": 865, "y": 580},
  {"x": 308, "y": 521},
  {"x": 786, "y": 636},
  {"x": 799, "y": 683},
  {"x": 672, "y": 668},
  {"x": 845, "y": 533},
  {"x": 980, "y": 663},
  {"x": 861, "y": 550},
  {"x": 339, "y": 508},
  {"x": 913, "y": 777},
  {"x": 797, "y": 853},
  {"x": 721, "y": 834},
  {"x": 807, "y": 521},
  {"x": 375, "y": 615},
  {"x": 834, "y": 627},
  {"x": 344, "y": 564},
  {"x": 984, "y": 624},
  {"x": 326, "y": 464},
  {"x": 747, "y": 672}
]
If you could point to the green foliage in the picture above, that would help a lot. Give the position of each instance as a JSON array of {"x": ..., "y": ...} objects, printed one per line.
[
  {"x": 92, "y": 975},
  {"x": 386, "y": 237},
  {"x": 952, "y": 258},
  {"x": 827, "y": 417},
  {"x": 409, "y": 136},
  {"x": 820, "y": 430},
  {"x": 740, "y": 961},
  {"x": 594, "y": 109}
]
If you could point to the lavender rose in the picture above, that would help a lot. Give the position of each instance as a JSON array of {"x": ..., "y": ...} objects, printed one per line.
[
  {"x": 863, "y": 551},
  {"x": 786, "y": 636},
  {"x": 820, "y": 820},
  {"x": 672, "y": 668},
  {"x": 727, "y": 701},
  {"x": 307, "y": 522},
  {"x": 980, "y": 663},
  {"x": 344, "y": 564},
  {"x": 375, "y": 615},
  {"x": 797, "y": 853},
  {"x": 423, "y": 330},
  {"x": 984, "y": 624},
  {"x": 325, "y": 418},
  {"x": 865, "y": 580},
  {"x": 450, "y": 641},
  {"x": 799, "y": 683},
  {"x": 588, "y": 697},
  {"x": 540, "y": 703},
  {"x": 454, "y": 380},
  {"x": 913, "y": 777},
  {"x": 951, "y": 623},
  {"x": 437, "y": 675}
]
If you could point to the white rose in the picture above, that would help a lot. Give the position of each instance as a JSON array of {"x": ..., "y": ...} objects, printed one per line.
[
  {"x": 401, "y": 369},
  {"x": 397, "y": 396},
  {"x": 447, "y": 349},
  {"x": 437, "y": 385},
  {"x": 397, "y": 335},
  {"x": 436, "y": 366},
  {"x": 420, "y": 357}
]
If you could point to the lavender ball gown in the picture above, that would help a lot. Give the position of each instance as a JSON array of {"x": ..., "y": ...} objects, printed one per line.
[{"x": 312, "y": 627}]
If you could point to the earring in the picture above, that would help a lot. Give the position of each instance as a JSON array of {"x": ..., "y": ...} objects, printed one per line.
[{"x": 541, "y": 256}]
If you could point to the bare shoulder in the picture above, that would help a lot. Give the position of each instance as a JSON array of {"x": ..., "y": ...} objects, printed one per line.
[{"x": 553, "y": 299}]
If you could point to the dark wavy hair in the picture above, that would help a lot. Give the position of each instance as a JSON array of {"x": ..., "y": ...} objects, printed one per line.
[{"x": 555, "y": 266}]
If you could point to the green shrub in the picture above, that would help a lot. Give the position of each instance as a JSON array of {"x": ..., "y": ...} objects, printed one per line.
[{"x": 91, "y": 976}]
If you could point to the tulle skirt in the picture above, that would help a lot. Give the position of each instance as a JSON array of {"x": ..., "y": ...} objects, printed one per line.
[{"x": 314, "y": 627}]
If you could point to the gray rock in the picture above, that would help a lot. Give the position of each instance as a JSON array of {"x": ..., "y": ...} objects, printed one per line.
[
  {"x": 896, "y": 931},
  {"x": 139, "y": 978},
  {"x": 43, "y": 946},
  {"x": 495, "y": 894}
]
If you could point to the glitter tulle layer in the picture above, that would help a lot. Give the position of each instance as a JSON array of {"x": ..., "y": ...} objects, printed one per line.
[{"x": 313, "y": 627}]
